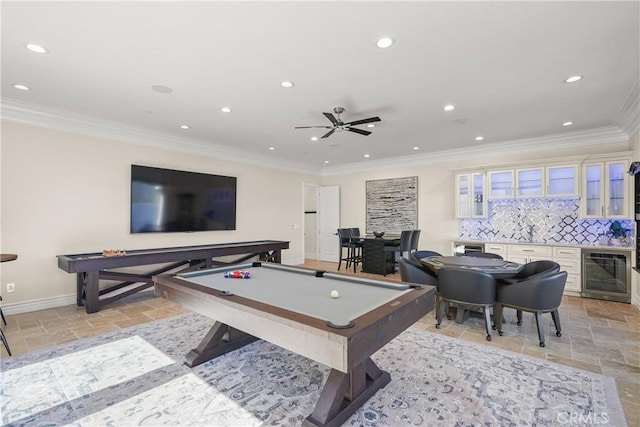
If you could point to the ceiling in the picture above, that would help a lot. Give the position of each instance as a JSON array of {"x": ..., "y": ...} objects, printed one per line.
[{"x": 502, "y": 64}]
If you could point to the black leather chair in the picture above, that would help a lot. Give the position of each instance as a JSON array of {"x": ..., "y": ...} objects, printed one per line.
[
  {"x": 466, "y": 287},
  {"x": 537, "y": 295},
  {"x": 414, "y": 257},
  {"x": 414, "y": 274},
  {"x": 415, "y": 238},
  {"x": 531, "y": 270},
  {"x": 404, "y": 246},
  {"x": 483, "y": 255}
]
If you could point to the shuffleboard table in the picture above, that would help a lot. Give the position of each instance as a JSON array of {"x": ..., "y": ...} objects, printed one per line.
[
  {"x": 90, "y": 268},
  {"x": 293, "y": 308}
]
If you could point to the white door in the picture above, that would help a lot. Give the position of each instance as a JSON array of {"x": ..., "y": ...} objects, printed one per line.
[{"x": 328, "y": 223}]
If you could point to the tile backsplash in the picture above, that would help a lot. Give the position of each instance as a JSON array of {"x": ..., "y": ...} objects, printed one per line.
[{"x": 540, "y": 221}]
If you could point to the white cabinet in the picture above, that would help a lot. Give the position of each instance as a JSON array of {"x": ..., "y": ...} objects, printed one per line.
[
  {"x": 605, "y": 190},
  {"x": 562, "y": 181},
  {"x": 470, "y": 195},
  {"x": 567, "y": 257},
  {"x": 524, "y": 254},
  {"x": 550, "y": 181},
  {"x": 496, "y": 248},
  {"x": 570, "y": 261},
  {"x": 530, "y": 182},
  {"x": 501, "y": 184}
]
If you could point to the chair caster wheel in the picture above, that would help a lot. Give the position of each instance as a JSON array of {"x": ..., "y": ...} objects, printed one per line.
[
  {"x": 437, "y": 325},
  {"x": 500, "y": 333},
  {"x": 488, "y": 337},
  {"x": 519, "y": 322},
  {"x": 558, "y": 334},
  {"x": 542, "y": 344}
]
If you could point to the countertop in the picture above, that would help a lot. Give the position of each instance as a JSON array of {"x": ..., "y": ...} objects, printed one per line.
[{"x": 534, "y": 243}]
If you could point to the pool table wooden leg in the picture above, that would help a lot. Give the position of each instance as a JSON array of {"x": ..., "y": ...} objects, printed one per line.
[
  {"x": 344, "y": 393},
  {"x": 220, "y": 339}
]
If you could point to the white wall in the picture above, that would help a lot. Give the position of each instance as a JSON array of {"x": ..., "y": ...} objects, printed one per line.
[{"x": 65, "y": 193}]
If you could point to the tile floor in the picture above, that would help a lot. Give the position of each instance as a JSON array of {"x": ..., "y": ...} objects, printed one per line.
[{"x": 598, "y": 336}]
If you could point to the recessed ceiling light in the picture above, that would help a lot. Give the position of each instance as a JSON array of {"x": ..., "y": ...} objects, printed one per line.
[
  {"x": 371, "y": 125},
  {"x": 326, "y": 162},
  {"x": 567, "y": 123},
  {"x": 384, "y": 42},
  {"x": 21, "y": 87},
  {"x": 286, "y": 84},
  {"x": 367, "y": 155},
  {"x": 449, "y": 107},
  {"x": 573, "y": 79},
  {"x": 314, "y": 138},
  {"x": 416, "y": 148},
  {"x": 36, "y": 48},
  {"x": 185, "y": 127},
  {"x": 479, "y": 138},
  {"x": 225, "y": 109},
  {"x": 272, "y": 148},
  {"x": 161, "y": 89}
]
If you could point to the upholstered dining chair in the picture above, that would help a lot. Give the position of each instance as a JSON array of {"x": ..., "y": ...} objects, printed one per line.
[
  {"x": 405, "y": 246},
  {"x": 416, "y": 274},
  {"x": 344, "y": 240},
  {"x": 537, "y": 295},
  {"x": 466, "y": 287},
  {"x": 483, "y": 255},
  {"x": 531, "y": 270}
]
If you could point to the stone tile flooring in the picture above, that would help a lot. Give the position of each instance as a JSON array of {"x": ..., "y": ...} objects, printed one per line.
[{"x": 598, "y": 336}]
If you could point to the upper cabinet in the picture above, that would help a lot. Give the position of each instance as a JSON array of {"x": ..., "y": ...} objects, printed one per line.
[
  {"x": 604, "y": 190},
  {"x": 501, "y": 184},
  {"x": 530, "y": 182},
  {"x": 470, "y": 195},
  {"x": 550, "y": 181},
  {"x": 562, "y": 181}
]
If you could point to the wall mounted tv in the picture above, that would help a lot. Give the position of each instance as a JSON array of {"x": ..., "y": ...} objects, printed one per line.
[{"x": 166, "y": 200}]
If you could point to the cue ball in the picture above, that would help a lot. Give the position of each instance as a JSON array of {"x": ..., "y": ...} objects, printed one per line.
[{"x": 334, "y": 294}]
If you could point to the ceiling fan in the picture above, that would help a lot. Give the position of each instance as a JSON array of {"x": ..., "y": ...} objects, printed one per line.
[{"x": 339, "y": 125}]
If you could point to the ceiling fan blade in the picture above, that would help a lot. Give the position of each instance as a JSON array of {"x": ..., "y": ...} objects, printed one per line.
[
  {"x": 331, "y": 118},
  {"x": 308, "y": 127},
  {"x": 328, "y": 134},
  {"x": 363, "y": 121},
  {"x": 360, "y": 131}
]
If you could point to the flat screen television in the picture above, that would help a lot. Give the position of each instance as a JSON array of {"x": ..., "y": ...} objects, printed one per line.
[{"x": 166, "y": 200}]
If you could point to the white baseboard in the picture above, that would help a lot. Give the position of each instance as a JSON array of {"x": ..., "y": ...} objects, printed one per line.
[{"x": 39, "y": 304}]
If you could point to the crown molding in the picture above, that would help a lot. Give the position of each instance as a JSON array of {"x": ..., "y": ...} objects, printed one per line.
[
  {"x": 51, "y": 118},
  {"x": 88, "y": 125},
  {"x": 629, "y": 116},
  {"x": 599, "y": 136}
]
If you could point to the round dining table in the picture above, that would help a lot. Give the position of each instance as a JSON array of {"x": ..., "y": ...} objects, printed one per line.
[{"x": 498, "y": 268}]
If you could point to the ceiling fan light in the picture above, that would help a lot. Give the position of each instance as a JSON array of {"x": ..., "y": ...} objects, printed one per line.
[{"x": 384, "y": 42}]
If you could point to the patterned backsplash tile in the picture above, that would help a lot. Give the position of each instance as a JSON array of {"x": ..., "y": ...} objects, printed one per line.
[{"x": 541, "y": 221}]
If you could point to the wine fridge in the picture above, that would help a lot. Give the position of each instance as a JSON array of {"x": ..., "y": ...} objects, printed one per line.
[{"x": 606, "y": 274}]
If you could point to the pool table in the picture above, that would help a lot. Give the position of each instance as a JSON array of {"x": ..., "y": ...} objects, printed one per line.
[{"x": 292, "y": 308}]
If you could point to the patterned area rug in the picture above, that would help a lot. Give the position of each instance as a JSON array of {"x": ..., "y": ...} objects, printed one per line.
[{"x": 136, "y": 377}]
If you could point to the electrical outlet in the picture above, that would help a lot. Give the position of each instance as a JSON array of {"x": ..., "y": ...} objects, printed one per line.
[{"x": 11, "y": 287}]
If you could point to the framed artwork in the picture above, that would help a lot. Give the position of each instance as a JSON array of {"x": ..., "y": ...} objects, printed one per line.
[{"x": 392, "y": 205}]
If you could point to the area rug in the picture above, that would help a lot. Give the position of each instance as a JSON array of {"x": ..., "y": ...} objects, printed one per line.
[{"x": 136, "y": 377}]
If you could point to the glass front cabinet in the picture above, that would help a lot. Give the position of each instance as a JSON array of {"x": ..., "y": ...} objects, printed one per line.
[
  {"x": 604, "y": 190},
  {"x": 470, "y": 195},
  {"x": 530, "y": 182},
  {"x": 501, "y": 184},
  {"x": 562, "y": 181}
]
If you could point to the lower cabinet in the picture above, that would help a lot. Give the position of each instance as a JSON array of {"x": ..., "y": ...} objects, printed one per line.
[{"x": 569, "y": 259}]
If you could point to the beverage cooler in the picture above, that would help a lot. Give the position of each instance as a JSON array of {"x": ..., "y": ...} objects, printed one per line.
[{"x": 606, "y": 274}]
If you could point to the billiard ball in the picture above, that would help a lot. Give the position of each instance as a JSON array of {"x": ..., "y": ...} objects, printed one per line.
[{"x": 334, "y": 294}]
